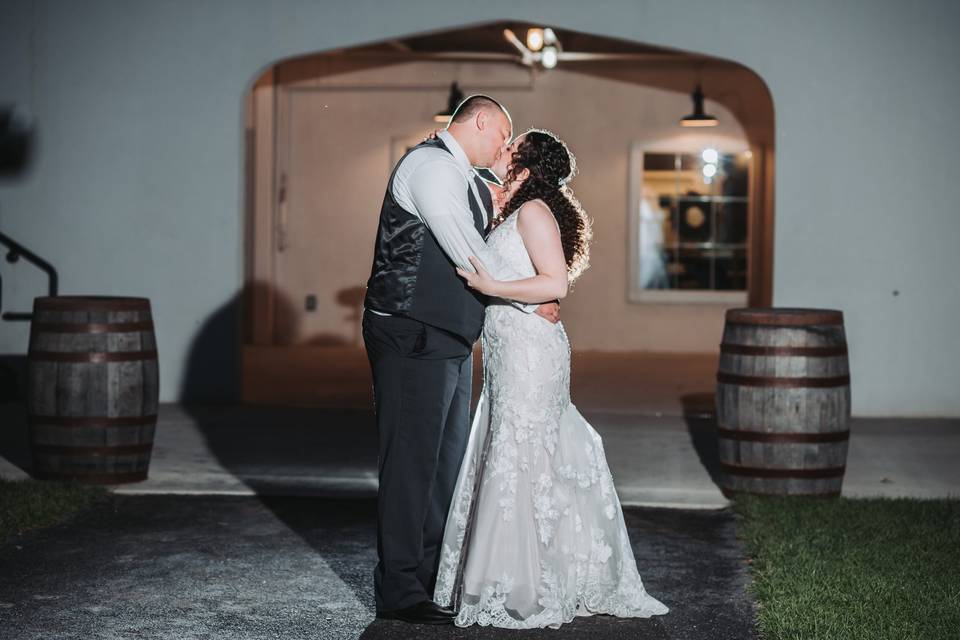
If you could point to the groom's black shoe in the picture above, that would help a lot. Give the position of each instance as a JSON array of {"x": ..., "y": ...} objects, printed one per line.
[{"x": 424, "y": 612}]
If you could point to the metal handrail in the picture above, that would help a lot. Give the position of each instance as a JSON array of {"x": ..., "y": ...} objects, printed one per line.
[{"x": 16, "y": 252}]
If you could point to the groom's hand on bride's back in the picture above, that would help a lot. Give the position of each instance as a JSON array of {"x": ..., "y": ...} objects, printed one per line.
[{"x": 550, "y": 311}]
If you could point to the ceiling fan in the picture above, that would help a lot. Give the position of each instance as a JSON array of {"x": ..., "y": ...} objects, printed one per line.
[{"x": 543, "y": 47}]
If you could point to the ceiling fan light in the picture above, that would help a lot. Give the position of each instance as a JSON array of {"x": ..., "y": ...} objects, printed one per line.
[
  {"x": 535, "y": 39},
  {"x": 549, "y": 37},
  {"x": 549, "y": 57}
]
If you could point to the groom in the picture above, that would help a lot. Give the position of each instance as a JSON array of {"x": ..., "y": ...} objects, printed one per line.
[{"x": 419, "y": 326}]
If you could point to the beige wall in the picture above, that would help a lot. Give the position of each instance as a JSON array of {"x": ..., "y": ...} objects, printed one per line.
[{"x": 339, "y": 146}]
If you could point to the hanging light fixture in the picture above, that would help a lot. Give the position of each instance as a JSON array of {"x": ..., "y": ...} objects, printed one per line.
[
  {"x": 698, "y": 118},
  {"x": 453, "y": 101}
]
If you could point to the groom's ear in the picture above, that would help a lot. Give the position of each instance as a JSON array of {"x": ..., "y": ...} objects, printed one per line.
[{"x": 481, "y": 119}]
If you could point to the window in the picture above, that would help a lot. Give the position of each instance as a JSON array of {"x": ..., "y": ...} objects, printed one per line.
[{"x": 689, "y": 215}]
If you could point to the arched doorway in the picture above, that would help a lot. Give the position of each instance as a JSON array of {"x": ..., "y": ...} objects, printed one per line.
[{"x": 324, "y": 130}]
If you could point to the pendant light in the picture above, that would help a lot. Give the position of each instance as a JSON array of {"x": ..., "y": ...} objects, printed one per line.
[
  {"x": 453, "y": 101},
  {"x": 698, "y": 118}
]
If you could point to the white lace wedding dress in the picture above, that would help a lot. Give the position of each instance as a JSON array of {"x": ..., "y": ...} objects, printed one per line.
[{"x": 544, "y": 534}]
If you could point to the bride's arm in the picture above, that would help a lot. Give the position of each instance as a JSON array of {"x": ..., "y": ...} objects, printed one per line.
[{"x": 541, "y": 235}]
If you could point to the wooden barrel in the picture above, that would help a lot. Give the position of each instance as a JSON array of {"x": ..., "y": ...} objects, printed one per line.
[
  {"x": 92, "y": 388},
  {"x": 783, "y": 402}
]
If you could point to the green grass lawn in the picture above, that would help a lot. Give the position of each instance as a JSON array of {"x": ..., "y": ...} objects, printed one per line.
[
  {"x": 837, "y": 569},
  {"x": 31, "y": 504}
]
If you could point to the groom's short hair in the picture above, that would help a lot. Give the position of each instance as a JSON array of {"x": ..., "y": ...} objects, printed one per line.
[{"x": 475, "y": 103}]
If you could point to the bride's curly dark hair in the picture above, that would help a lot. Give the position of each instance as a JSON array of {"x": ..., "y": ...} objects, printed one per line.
[{"x": 551, "y": 167}]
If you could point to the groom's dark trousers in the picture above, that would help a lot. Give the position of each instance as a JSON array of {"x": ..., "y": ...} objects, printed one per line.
[{"x": 422, "y": 380}]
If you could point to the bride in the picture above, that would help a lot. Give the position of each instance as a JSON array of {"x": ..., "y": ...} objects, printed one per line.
[{"x": 535, "y": 534}]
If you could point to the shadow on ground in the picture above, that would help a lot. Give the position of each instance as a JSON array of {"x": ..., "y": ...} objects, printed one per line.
[
  {"x": 699, "y": 414},
  {"x": 14, "y": 435}
]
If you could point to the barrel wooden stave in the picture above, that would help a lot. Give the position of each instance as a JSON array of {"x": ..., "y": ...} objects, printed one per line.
[
  {"x": 102, "y": 469},
  {"x": 772, "y": 409},
  {"x": 101, "y": 435}
]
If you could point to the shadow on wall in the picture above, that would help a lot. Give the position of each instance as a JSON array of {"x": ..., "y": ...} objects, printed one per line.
[
  {"x": 213, "y": 361},
  {"x": 352, "y": 299},
  {"x": 214, "y": 366},
  {"x": 297, "y": 365},
  {"x": 289, "y": 316}
]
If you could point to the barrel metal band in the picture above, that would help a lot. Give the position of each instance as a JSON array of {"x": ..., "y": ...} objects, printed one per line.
[
  {"x": 785, "y": 317},
  {"x": 88, "y": 303},
  {"x": 93, "y": 327},
  {"x": 778, "y": 381},
  {"x": 758, "y": 350},
  {"x": 761, "y": 472},
  {"x": 91, "y": 356},
  {"x": 762, "y": 436},
  {"x": 92, "y": 421},
  {"x": 779, "y": 325}
]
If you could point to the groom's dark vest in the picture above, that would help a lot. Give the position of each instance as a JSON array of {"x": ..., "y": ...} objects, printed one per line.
[{"x": 413, "y": 277}]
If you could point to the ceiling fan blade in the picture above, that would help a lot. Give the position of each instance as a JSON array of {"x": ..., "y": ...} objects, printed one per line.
[
  {"x": 578, "y": 56},
  {"x": 526, "y": 54}
]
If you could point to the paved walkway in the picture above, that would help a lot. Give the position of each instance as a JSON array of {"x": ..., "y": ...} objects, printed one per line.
[{"x": 237, "y": 567}]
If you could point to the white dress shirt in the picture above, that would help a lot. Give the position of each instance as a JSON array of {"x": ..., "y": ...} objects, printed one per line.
[{"x": 432, "y": 185}]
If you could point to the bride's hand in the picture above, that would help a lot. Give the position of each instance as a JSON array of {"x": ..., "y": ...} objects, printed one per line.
[{"x": 479, "y": 281}]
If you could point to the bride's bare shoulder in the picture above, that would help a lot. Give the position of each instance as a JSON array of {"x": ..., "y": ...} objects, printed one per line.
[
  {"x": 535, "y": 214},
  {"x": 534, "y": 209}
]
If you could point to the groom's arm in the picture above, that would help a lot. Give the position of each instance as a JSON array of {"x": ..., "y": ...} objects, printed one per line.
[{"x": 439, "y": 193}]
